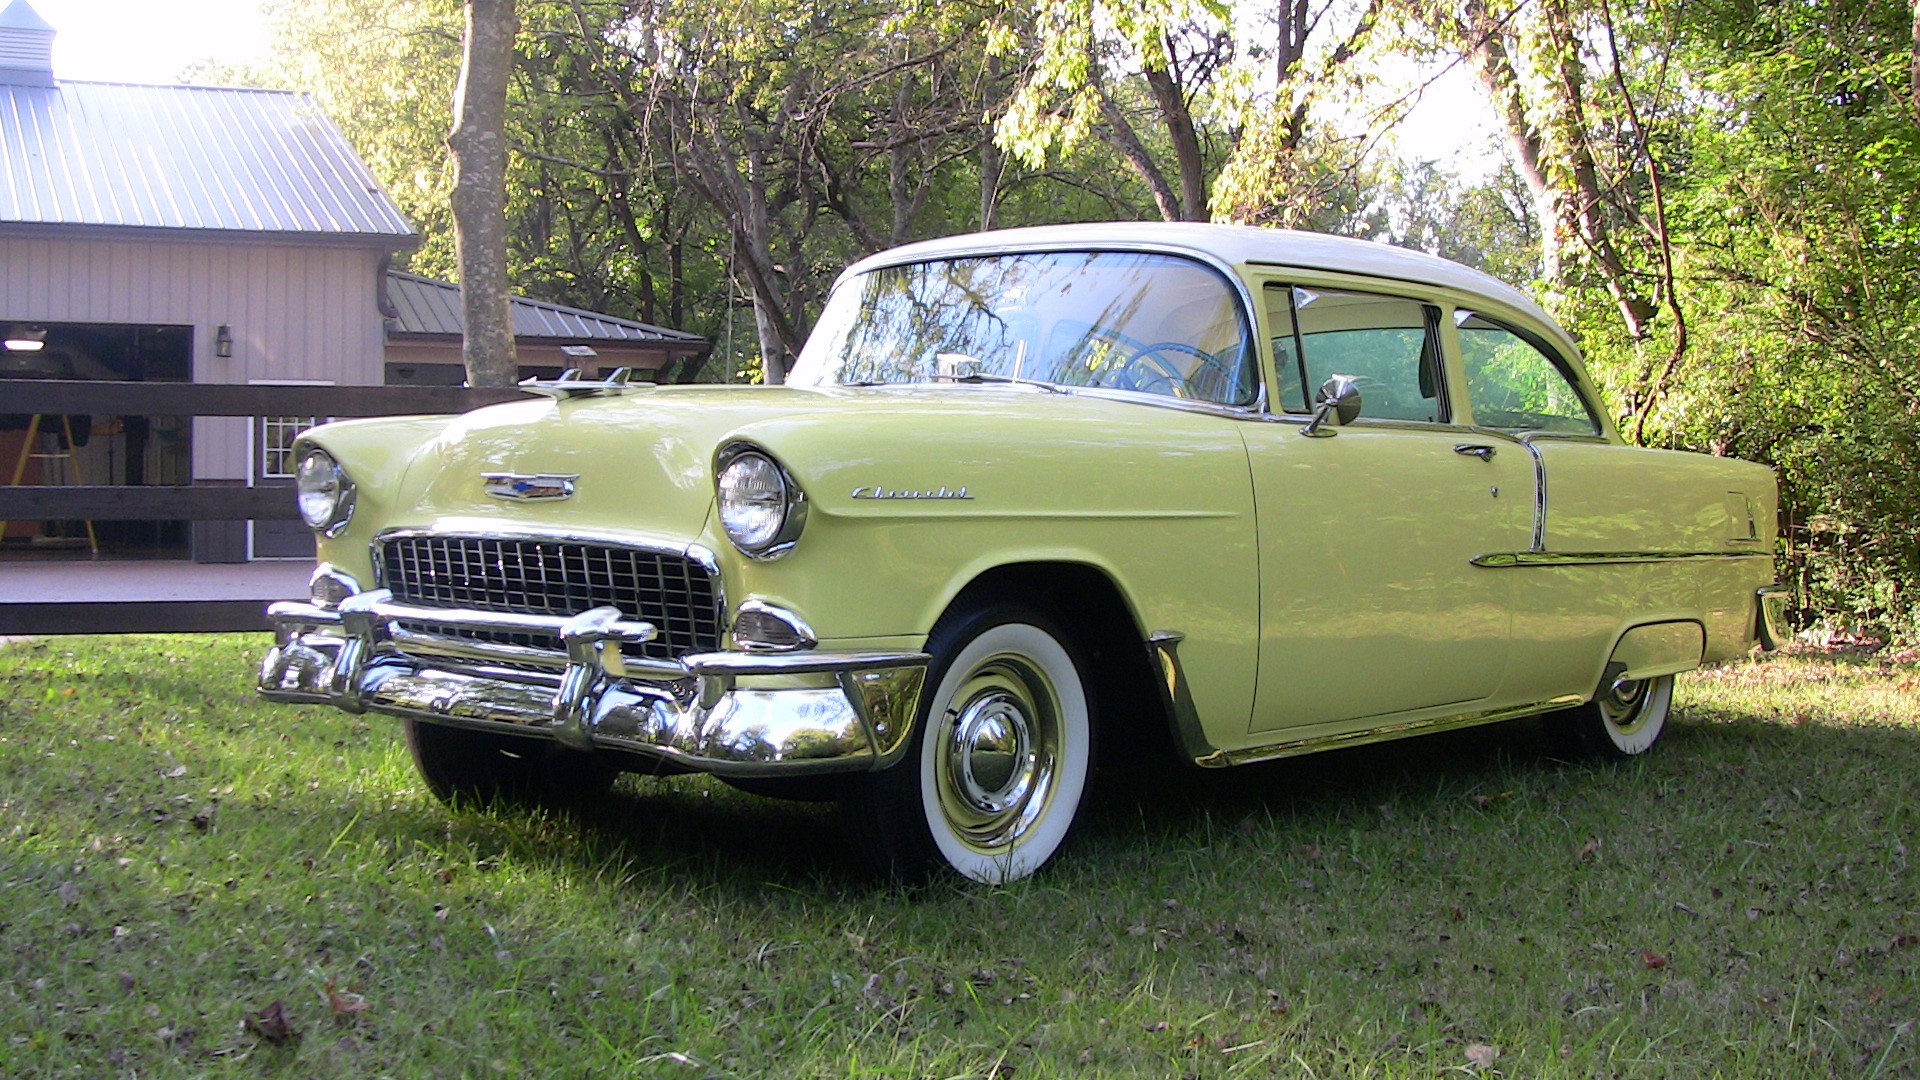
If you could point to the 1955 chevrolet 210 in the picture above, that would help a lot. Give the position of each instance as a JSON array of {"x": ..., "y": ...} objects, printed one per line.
[{"x": 1030, "y": 496}]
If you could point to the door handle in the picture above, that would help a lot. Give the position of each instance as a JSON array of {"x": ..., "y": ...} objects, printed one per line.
[{"x": 1479, "y": 450}]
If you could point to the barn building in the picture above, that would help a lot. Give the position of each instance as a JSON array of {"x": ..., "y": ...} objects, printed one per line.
[{"x": 215, "y": 235}]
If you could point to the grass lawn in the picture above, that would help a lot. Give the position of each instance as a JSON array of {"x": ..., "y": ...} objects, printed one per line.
[{"x": 196, "y": 882}]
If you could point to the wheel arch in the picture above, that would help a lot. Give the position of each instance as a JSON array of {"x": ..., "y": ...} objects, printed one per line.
[{"x": 1130, "y": 723}]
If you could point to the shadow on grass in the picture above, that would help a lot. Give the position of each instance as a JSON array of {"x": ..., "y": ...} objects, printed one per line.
[{"x": 698, "y": 832}]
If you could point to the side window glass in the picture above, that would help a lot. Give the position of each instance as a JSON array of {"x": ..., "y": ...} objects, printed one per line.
[
  {"x": 1290, "y": 394},
  {"x": 1513, "y": 384},
  {"x": 1386, "y": 343}
]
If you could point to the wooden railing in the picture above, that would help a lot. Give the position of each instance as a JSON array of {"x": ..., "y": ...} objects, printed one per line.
[{"x": 199, "y": 502}]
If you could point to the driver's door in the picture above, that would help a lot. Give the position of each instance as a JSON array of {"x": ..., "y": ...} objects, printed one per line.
[{"x": 1370, "y": 605}]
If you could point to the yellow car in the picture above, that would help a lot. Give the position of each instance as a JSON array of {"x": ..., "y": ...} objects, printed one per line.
[{"x": 1030, "y": 498}]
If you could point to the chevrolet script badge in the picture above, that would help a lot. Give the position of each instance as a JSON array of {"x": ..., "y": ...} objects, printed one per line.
[{"x": 506, "y": 485}]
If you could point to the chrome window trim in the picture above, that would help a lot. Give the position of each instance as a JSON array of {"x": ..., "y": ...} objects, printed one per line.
[
  {"x": 1238, "y": 284},
  {"x": 1431, "y": 313},
  {"x": 1502, "y": 560},
  {"x": 1555, "y": 359}
]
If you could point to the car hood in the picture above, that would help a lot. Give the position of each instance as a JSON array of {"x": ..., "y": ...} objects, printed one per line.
[{"x": 643, "y": 460}]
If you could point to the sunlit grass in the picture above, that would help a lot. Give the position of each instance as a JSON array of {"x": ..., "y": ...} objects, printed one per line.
[{"x": 176, "y": 856}]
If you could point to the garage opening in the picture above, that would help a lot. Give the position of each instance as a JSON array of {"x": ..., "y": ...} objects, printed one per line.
[{"x": 91, "y": 449}]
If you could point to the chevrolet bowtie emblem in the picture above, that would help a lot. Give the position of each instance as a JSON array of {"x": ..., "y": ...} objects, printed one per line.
[{"x": 506, "y": 485}]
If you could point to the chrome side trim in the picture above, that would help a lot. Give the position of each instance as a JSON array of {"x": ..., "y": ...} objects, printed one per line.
[
  {"x": 1295, "y": 748},
  {"x": 1506, "y": 559},
  {"x": 1176, "y": 697},
  {"x": 1539, "y": 497},
  {"x": 1775, "y": 630}
]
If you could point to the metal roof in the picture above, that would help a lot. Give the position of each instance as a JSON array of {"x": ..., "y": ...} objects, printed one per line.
[
  {"x": 185, "y": 157},
  {"x": 428, "y": 306}
]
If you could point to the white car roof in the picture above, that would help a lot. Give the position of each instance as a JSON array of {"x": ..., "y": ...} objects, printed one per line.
[{"x": 1238, "y": 245}]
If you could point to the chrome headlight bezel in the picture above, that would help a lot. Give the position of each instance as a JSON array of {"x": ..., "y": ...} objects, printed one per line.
[
  {"x": 781, "y": 505},
  {"x": 324, "y": 492}
]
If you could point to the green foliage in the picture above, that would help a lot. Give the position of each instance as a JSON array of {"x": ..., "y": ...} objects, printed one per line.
[{"x": 1797, "y": 216}]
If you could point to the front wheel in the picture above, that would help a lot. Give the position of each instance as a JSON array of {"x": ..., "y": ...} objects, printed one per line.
[
  {"x": 999, "y": 760},
  {"x": 463, "y": 767},
  {"x": 1623, "y": 720}
]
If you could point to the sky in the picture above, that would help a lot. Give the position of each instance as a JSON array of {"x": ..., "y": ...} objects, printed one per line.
[{"x": 149, "y": 41}]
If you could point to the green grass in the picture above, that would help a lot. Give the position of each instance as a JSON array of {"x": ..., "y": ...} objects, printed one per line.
[{"x": 176, "y": 856}]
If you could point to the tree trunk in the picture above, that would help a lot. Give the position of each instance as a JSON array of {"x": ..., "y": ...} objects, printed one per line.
[
  {"x": 1172, "y": 100},
  {"x": 991, "y": 166},
  {"x": 1487, "y": 48},
  {"x": 1914, "y": 75},
  {"x": 479, "y": 146}
]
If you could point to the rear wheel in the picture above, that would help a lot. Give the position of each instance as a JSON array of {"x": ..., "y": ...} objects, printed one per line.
[
  {"x": 480, "y": 768},
  {"x": 993, "y": 779},
  {"x": 1623, "y": 720}
]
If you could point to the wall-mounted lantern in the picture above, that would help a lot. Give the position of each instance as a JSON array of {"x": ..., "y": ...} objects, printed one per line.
[{"x": 223, "y": 342}]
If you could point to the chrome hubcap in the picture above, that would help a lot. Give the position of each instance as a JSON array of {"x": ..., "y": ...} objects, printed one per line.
[
  {"x": 999, "y": 745},
  {"x": 1623, "y": 705}
]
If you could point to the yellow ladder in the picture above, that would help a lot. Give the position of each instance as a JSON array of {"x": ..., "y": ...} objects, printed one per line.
[{"x": 63, "y": 456}]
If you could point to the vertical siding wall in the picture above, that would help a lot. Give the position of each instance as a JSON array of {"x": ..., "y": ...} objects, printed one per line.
[{"x": 297, "y": 313}]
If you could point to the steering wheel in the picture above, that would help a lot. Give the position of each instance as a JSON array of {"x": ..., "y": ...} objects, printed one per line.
[{"x": 1150, "y": 370}]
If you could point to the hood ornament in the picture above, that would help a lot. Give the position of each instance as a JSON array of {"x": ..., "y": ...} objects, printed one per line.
[{"x": 529, "y": 486}]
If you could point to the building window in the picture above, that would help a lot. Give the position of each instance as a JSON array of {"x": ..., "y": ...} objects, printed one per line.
[{"x": 276, "y": 444}]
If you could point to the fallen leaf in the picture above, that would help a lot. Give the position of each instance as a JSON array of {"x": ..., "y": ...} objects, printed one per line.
[
  {"x": 1588, "y": 850},
  {"x": 1653, "y": 960},
  {"x": 175, "y": 773},
  {"x": 345, "y": 1006},
  {"x": 271, "y": 1024},
  {"x": 1480, "y": 1056},
  {"x": 69, "y": 893}
]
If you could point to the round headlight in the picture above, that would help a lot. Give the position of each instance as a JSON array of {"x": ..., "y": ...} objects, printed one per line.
[
  {"x": 757, "y": 505},
  {"x": 325, "y": 493}
]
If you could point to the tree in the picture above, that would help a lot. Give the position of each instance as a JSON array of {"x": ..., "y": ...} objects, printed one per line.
[{"x": 479, "y": 198}]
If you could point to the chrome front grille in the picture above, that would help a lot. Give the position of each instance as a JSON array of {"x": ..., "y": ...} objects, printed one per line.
[{"x": 678, "y": 595}]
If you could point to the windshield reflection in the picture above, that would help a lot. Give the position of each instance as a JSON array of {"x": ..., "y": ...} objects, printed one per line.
[{"x": 1151, "y": 323}]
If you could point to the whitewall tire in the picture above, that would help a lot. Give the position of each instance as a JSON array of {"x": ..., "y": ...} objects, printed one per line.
[{"x": 1000, "y": 758}]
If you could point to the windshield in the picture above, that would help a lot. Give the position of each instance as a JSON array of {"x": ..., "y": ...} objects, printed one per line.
[{"x": 1157, "y": 324}]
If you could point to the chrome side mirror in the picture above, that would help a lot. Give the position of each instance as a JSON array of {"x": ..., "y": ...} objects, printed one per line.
[{"x": 1339, "y": 401}]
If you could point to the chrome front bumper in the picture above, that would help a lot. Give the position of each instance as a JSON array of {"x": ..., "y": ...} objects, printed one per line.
[{"x": 727, "y": 713}]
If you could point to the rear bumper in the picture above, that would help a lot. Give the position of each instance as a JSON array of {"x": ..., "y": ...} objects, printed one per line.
[{"x": 726, "y": 713}]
